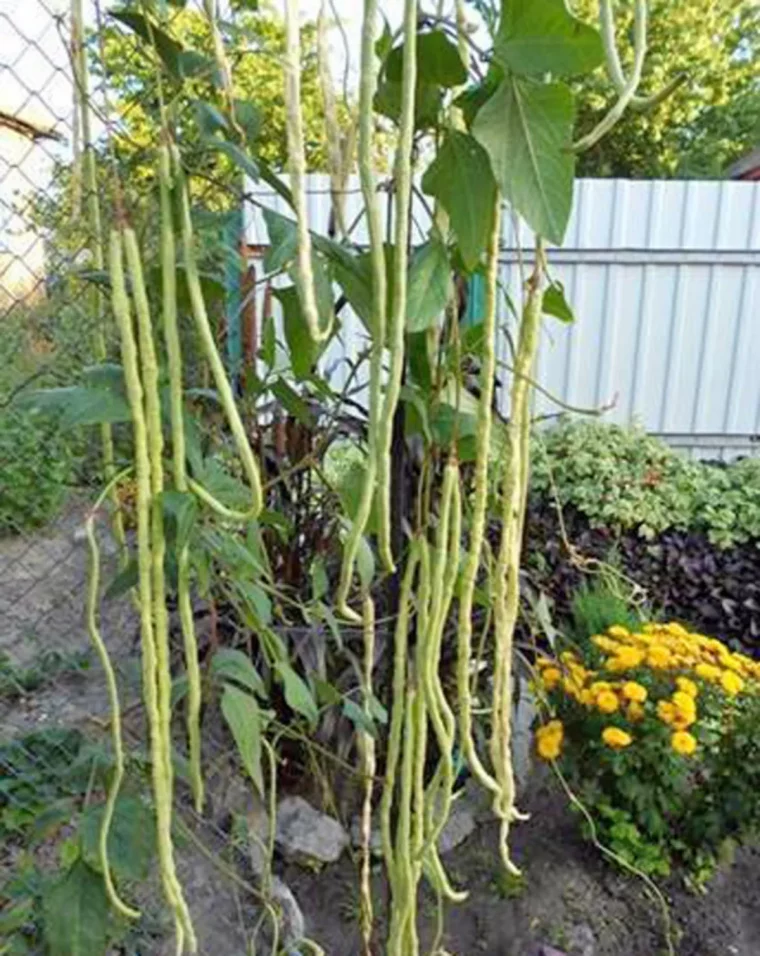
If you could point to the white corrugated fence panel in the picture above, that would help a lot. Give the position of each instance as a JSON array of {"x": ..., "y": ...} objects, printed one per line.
[{"x": 663, "y": 277}]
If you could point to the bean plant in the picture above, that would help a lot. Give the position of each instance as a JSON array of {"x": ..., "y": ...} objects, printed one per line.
[{"x": 490, "y": 128}]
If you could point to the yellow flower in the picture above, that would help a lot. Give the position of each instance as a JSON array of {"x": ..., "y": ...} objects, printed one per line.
[
  {"x": 635, "y": 711},
  {"x": 550, "y": 677},
  {"x": 616, "y": 738},
  {"x": 684, "y": 702},
  {"x": 617, "y": 630},
  {"x": 607, "y": 702},
  {"x": 549, "y": 740},
  {"x": 683, "y": 743},
  {"x": 666, "y": 711},
  {"x": 626, "y": 658},
  {"x": 605, "y": 643},
  {"x": 687, "y": 686},
  {"x": 599, "y": 685},
  {"x": 707, "y": 671},
  {"x": 635, "y": 692},
  {"x": 732, "y": 684},
  {"x": 586, "y": 698},
  {"x": 658, "y": 657},
  {"x": 676, "y": 629}
]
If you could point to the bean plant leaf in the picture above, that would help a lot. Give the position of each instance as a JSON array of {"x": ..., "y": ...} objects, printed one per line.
[
  {"x": 178, "y": 61},
  {"x": 365, "y": 563},
  {"x": 429, "y": 285},
  {"x": 297, "y": 694},
  {"x": 428, "y": 98},
  {"x": 303, "y": 350},
  {"x": 243, "y": 717},
  {"x": 292, "y": 402},
  {"x": 78, "y": 405},
  {"x": 76, "y": 914},
  {"x": 359, "y": 718},
  {"x": 438, "y": 61},
  {"x": 230, "y": 664},
  {"x": 526, "y": 127},
  {"x": 131, "y": 839},
  {"x": 542, "y": 36},
  {"x": 320, "y": 583},
  {"x": 182, "y": 507},
  {"x": 283, "y": 240},
  {"x": 555, "y": 303},
  {"x": 460, "y": 177}
]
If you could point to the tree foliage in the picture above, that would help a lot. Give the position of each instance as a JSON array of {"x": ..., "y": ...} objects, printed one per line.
[
  {"x": 256, "y": 44},
  {"x": 709, "y": 121}
]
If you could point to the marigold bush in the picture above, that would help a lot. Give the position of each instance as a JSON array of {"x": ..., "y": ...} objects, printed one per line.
[{"x": 657, "y": 731}]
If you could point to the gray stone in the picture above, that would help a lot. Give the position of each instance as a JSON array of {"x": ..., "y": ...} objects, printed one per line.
[
  {"x": 581, "y": 941},
  {"x": 292, "y": 925},
  {"x": 460, "y": 824},
  {"x": 304, "y": 833},
  {"x": 523, "y": 716}
]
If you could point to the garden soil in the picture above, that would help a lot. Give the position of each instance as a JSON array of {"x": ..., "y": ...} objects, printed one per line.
[{"x": 570, "y": 900}]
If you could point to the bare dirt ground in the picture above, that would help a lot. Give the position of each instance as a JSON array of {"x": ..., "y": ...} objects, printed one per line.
[{"x": 43, "y": 578}]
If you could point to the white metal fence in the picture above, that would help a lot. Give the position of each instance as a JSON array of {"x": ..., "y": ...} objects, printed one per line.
[{"x": 663, "y": 277}]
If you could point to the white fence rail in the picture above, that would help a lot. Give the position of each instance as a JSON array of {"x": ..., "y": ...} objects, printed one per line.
[{"x": 664, "y": 278}]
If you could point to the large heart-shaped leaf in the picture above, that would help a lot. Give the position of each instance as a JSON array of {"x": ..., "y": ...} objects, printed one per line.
[
  {"x": 526, "y": 127},
  {"x": 131, "y": 838},
  {"x": 461, "y": 179},
  {"x": 429, "y": 285},
  {"x": 542, "y": 36},
  {"x": 76, "y": 913},
  {"x": 243, "y": 717},
  {"x": 438, "y": 61}
]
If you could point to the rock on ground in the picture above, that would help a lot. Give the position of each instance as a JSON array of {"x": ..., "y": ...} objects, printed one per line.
[{"x": 304, "y": 833}]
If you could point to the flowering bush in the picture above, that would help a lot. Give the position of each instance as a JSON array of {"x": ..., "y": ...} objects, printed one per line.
[{"x": 658, "y": 731}]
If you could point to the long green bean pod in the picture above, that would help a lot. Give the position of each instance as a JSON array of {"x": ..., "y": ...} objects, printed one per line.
[
  {"x": 480, "y": 501},
  {"x": 403, "y": 184},
  {"x": 221, "y": 381},
  {"x": 297, "y": 169},
  {"x": 88, "y": 165},
  {"x": 179, "y": 468},
  {"x": 506, "y": 577},
  {"x": 93, "y": 595},
  {"x": 368, "y": 770},
  {"x": 368, "y": 84},
  {"x": 400, "y": 644},
  {"x": 159, "y": 745},
  {"x": 336, "y": 161}
]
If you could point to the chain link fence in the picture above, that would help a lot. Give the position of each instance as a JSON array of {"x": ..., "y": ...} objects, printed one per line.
[{"x": 55, "y": 753}]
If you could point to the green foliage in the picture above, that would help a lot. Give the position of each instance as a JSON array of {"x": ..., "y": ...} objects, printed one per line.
[
  {"x": 36, "y": 470},
  {"x": 546, "y": 38},
  {"x": 708, "y": 122},
  {"x": 461, "y": 179},
  {"x": 526, "y": 127},
  {"x": 623, "y": 479},
  {"x": 57, "y": 898},
  {"x": 596, "y": 606},
  {"x": 76, "y": 913},
  {"x": 654, "y": 728},
  {"x": 43, "y": 670}
]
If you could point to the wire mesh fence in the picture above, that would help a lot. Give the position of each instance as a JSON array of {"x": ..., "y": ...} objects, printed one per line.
[{"x": 55, "y": 751}]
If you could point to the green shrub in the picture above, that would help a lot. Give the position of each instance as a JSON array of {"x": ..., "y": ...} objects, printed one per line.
[
  {"x": 624, "y": 479},
  {"x": 36, "y": 470}
]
